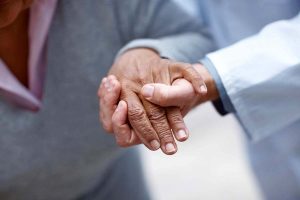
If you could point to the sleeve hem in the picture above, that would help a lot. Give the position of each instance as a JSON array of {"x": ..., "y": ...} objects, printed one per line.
[{"x": 224, "y": 104}]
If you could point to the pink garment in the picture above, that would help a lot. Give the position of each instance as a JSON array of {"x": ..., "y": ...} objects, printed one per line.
[{"x": 41, "y": 13}]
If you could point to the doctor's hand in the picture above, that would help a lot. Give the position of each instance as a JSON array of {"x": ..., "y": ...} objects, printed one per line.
[
  {"x": 151, "y": 124},
  {"x": 180, "y": 93}
]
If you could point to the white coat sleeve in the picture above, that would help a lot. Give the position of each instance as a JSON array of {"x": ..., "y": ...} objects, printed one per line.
[{"x": 261, "y": 76}]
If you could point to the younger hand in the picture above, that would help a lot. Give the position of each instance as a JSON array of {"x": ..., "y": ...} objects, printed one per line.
[{"x": 181, "y": 93}]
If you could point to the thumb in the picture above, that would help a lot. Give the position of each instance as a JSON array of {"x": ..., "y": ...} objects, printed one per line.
[{"x": 177, "y": 94}]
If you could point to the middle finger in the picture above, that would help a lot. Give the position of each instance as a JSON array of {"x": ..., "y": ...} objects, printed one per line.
[{"x": 158, "y": 119}]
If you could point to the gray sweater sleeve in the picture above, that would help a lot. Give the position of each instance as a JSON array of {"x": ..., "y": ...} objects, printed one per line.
[{"x": 163, "y": 26}]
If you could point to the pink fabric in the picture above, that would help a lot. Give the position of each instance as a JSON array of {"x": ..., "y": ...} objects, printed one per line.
[{"x": 41, "y": 13}]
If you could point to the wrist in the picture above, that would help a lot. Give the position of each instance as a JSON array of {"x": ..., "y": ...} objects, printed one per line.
[
  {"x": 212, "y": 91},
  {"x": 138, "y": 52},
  {"x": 127, "y": 58}
]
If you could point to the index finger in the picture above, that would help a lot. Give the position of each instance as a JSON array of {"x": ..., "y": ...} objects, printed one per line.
[
  {"x": 188, "y": 72},
  {"x": 159, "y": 121},
  {"x": 139, "y": 121}
]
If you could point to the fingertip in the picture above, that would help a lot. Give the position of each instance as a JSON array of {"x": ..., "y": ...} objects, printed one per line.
[
  {"x": 203, "y": 89},
  {"x": 182, "y": 135},
  {"x": 159, "y": 94},
  {"x": 170, "y": 149},
  {"x": 147, "y": 91},
  {"x": 155, "y": 145}
]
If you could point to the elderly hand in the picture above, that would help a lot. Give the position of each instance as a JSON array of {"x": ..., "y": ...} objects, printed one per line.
[{"x": 151, "y": 124}]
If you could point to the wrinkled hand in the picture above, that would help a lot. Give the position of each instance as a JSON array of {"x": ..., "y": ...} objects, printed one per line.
[
  {"x": 114, "y": 112},
  {"x": 151, "y": 124}
]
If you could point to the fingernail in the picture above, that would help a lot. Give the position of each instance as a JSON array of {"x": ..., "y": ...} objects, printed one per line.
[
  {"x": 148, "y": 90},
  {"x": 155, "y": 144},
  {"x": 119, "y": 107},
  {"x": 170, "y": 148},
  {"x": 203, "y": 89},
  {"x": 181, "y": 134}
]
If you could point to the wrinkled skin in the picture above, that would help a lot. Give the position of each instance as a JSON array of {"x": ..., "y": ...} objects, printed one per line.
[{"x": 152, "y": 124}]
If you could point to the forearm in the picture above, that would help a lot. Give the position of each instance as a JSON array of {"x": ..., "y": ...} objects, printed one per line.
[
  {"x": 185, "y": 47},
  {"x": 181, "y": 38}
]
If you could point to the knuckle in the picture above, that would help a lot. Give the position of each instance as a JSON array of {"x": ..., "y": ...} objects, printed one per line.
[
  {"x": 165, "y": 135},
  {"x": 156, "y": 114},
  {"x": 136, "y": 113},
  {"x": 197, "y": 78},
  {"x": 175, "y": 119},
  {"x": 163, "y": 130},
  {"x": 183, "y": 66},
  {"x": 124, "y": 83},
  {"x": 146, "y": 132},
  {"x": 158, "y": 119},
  {"x": 105, "y": 101},
  {"x": 188, "y": 66},
  {"x": 190, "y": 70}
]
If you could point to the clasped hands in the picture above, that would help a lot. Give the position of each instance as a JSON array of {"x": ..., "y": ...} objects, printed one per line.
[{"x": 144, "y": 98}]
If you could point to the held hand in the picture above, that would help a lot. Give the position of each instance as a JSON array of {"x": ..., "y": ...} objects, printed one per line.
[
  {"x": 181, "y": 93},
  {"x": 113, "y": 114},
  {"x": 150, "y": 122}
]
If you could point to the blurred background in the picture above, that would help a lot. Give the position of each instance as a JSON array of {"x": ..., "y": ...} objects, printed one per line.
[{"x": 212, "y": 164}]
